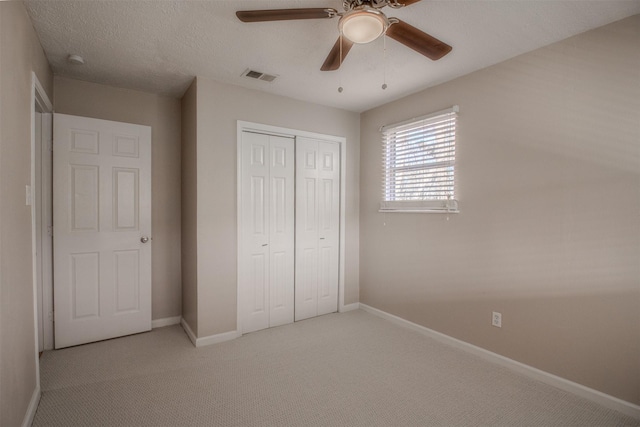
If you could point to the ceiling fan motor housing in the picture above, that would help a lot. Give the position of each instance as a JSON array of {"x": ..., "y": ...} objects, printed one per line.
[{"x": 377, "y": 4}]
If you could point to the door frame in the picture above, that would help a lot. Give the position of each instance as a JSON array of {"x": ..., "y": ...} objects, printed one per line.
[
  {"x": 39, "y": 100},
  {"x": 286, "y": 132}
]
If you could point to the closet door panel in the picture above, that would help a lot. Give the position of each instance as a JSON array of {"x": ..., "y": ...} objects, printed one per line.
[
  {"x": 306, "y": 282},
  {"x": 328, "y": 226},
  {"x": 317, "y": 227},
  {"x": 254, "y": 265},
  {"x": 281, "y": 225}
]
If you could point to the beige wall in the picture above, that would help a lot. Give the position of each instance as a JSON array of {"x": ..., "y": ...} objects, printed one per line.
[
  {"x": 548, "y": 179},
  {"x": 219, "y": 106},
  {"x": 189, "y": 209},
  {"x": 163, "y": 115},
  {"x": 20, "y": 53}
]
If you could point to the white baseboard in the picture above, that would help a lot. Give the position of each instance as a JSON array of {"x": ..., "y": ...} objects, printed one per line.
[
  {"x": 167, "y": 321},
  {"x": 211, "y": 339},
  {"x": 188, "y": 330},
  {"x": 350, "y": 307},
  {"x": 596, "y": 396},
  {"x": 31, "y": 409},
  {"x": 218, "y": 338}
]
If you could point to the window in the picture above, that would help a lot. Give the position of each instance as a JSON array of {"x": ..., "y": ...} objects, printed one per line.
[{"x": 419, "y": 164}]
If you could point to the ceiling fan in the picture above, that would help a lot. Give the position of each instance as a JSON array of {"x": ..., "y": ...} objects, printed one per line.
[{"x": 361, "y": 22}]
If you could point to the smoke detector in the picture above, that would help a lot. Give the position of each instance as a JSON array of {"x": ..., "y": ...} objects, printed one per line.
[{"x": 75, "y": 59}]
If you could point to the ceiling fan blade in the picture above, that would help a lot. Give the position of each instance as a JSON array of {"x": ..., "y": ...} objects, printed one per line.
[
  {"x": 285, "y": 14},
  {"x": 333, "y": 60},
  {"x": 417, "y": 40},
  {"x": 408, "y": 2}
]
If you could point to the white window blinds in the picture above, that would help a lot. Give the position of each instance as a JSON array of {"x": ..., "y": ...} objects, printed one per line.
[{"x": 419, "y": 163}]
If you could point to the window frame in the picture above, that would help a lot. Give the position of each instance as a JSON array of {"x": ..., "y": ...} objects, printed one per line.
[{"x": 426, "y": 204}]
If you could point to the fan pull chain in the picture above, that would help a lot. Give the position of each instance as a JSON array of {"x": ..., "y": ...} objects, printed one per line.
[
  {"x": 384, "y": 61},
  {"x": 340, "y": 89}
]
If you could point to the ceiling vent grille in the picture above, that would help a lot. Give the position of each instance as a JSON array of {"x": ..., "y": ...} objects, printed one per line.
[{"x": 259, "y": 75}]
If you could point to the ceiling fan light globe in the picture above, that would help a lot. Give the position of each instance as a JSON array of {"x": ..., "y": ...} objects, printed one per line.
[{"x": 363, "y": 26}]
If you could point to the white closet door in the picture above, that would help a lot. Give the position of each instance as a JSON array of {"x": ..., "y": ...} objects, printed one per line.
[
  {"x": 281, "y": 226},
  {"x": 328, "y": 226},
  {"x": 255, "y": 232},
  {"x": 306, "y": 228},
  {"x": 317, "y": 227},
  {"x": 267, "y": 231}
]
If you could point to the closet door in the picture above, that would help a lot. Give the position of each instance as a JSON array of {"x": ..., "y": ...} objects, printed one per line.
[
  {"x": 267, "y": 257},
  {"x": 306, "y": 228},
  {"x": 328, "y": 226},
  {"x": 281, "y": 230},
  {"x": 317, "y": 227}
]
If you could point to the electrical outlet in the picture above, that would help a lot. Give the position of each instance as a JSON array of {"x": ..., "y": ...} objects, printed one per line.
[{"x": 496, "y": 319}]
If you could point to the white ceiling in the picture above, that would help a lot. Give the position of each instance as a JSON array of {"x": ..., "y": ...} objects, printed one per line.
[{"x": 159, "y": 46}]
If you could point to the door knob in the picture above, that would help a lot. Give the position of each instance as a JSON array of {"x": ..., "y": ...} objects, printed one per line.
[{"x": 144, "y": 239}]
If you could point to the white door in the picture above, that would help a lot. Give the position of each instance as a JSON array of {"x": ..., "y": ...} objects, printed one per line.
[
  {"x": 317, "y": 227},
  {"x": 267, "y": 234},
  {"x": 102, "y": 229}
]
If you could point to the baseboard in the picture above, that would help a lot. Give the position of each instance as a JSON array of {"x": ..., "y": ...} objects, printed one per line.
[
  {"x": 596, "y": 396},
  {"x": 350, "y": 307},
  {"x": 208, "y": 340},
  {"x": 218, "y": 338},
  {"x": 188, "y": 330},
  {"x": 167, "y": 321},
  {"x": 32, "y": 408}
]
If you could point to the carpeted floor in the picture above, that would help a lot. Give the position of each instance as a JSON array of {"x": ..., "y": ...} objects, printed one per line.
[{"x": 350, "y": 369}]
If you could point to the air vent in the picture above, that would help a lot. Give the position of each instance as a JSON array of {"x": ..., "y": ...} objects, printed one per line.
[
  {"x": 268, "y": 77},
  {"x": 258, "y": 75},
  {"x": 253, "y": 74}
]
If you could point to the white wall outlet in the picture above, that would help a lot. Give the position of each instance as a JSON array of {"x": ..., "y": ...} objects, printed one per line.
[{"x": 496, "y": 319}]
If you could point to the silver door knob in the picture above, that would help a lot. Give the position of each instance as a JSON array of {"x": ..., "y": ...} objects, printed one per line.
[{"x": 144, "y": 239}]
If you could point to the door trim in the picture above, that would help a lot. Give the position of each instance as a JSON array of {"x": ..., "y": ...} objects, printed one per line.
[
  {"x": 40, "y": 100},
  {"x": 244, "y": 126}
]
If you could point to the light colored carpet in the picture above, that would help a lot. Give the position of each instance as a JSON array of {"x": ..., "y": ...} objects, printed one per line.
[{"x": 350, "y": 369}]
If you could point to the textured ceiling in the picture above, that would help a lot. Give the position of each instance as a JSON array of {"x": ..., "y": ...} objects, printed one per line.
[{"x": 159, "y": 46}]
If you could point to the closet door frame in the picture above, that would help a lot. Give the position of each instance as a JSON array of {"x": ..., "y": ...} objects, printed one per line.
[{"x": 243, "y": 126}]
